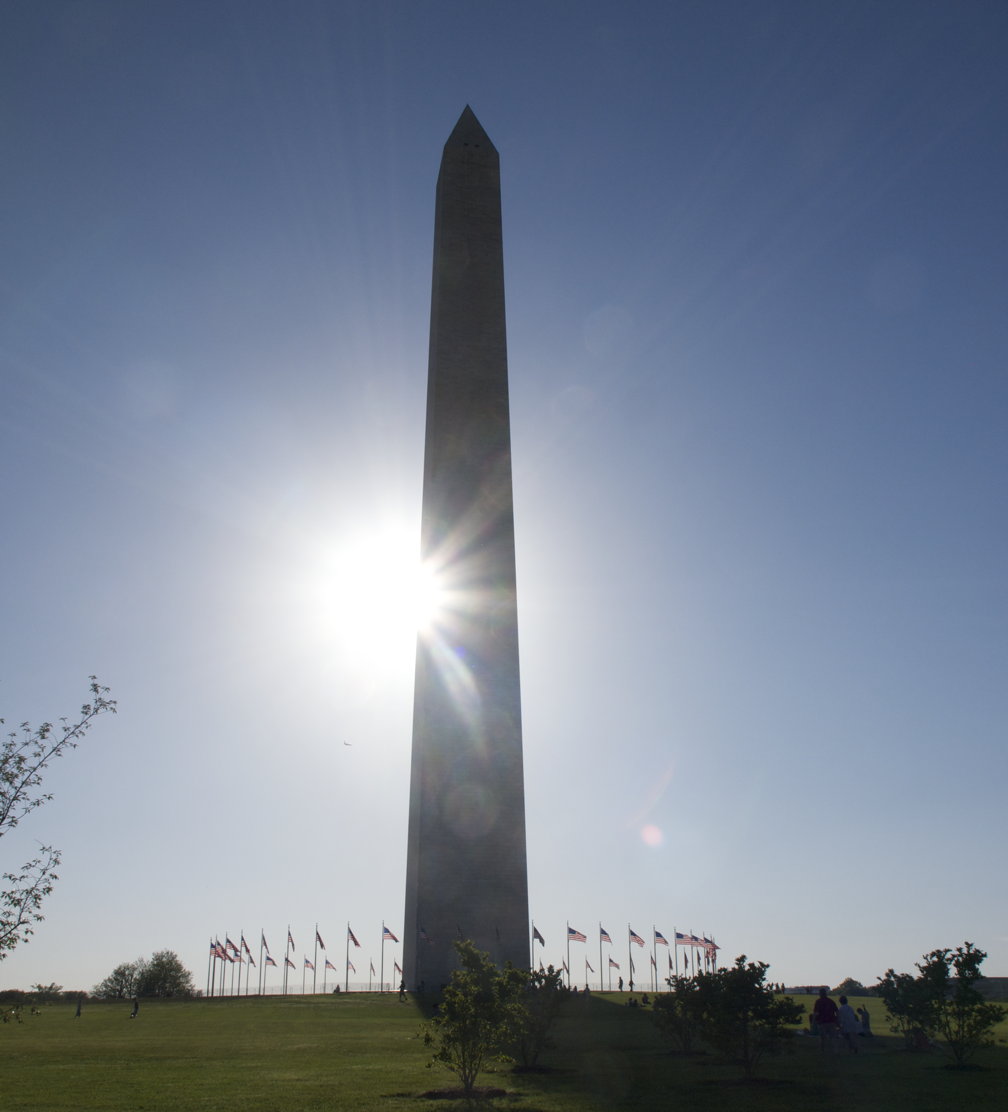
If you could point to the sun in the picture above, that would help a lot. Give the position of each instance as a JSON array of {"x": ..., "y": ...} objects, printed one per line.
[{"x": 371, "y": 595}]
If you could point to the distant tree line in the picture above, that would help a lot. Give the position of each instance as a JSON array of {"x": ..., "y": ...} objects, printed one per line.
[{"x": 40, "y": 994}]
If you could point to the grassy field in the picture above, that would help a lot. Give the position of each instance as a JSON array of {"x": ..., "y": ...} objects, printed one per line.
[{"x": 361, "y": 1051}]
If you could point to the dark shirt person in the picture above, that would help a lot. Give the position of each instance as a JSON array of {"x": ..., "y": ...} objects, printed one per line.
[{"x": 825, "y": 1013}]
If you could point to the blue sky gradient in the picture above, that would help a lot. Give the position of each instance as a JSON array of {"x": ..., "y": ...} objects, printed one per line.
[{"x": 756, "y": 265}]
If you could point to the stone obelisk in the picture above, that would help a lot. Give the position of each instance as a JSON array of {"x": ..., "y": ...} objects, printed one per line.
[{"x": 466, "y": 874}]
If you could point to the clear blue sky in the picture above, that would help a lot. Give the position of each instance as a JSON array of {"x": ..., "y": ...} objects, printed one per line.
[{"x": 756, "y": 268}]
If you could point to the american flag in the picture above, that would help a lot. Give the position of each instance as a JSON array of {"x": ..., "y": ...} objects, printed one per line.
[
  {"x": 318, "y": 938},
  {"x": 290, "y": 940},
  {"x": 263, "y": 939},
  {"x": 424, "y": 936},
  {"x": 351, "y": 967},
  {"x": 635, "y": 937},
  {"x": 287, "y": 961},
  {"x": 350, "y": 937},
  {"x": 270, "y": 961},
  {"x": 660, "y": 938},
  {"x": 398, "y": 968},
  {"x": 229, "y": 944},
  {"x": 588, "y": 963},
  {"x": 537, "y": 937},
  {"x": 387, "y": 935},
  {"x": 309, "y": 965},
  {"x": 604, "y": 935},
  {"x": 244, "y": 944},
  {"x": 372, "y": 969},
  {"x": 574, "y": 935}
]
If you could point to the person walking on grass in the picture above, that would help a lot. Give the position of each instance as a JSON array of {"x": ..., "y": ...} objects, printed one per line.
[
  {"x": 850, "y": 1025},
  {"x": 824, "y": 1011}
]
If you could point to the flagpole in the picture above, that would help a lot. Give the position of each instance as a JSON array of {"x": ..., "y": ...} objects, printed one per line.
[
  {"x": 209, "y": 961},
  {"x": 654, "y": 957},
  {"x": 675, "y": 944},
  {"x": 381, "y": 978},
  {"x": 261, "y": 970},
  {"x": 346, "y": 967},
  {"x": 600, "y": 986},
  {"x": 629, "y": 954},
  {"x": 568, "y": 955},
  {"x": 314, "y": 972}
]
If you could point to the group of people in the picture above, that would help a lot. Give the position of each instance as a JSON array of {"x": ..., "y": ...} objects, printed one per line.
[{"x": 832, "y": 1023}]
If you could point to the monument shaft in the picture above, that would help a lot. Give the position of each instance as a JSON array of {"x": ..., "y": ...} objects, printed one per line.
[{"x": 466, "y": 874}]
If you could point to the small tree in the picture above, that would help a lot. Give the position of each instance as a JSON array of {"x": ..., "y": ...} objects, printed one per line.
[
  {"x": 47, "y": 994},
  {"x": 910, "y": 1004},
  {"x": 677, "y": 1012},
  {"x": 850, "y": 987},
  {"x": 947, "y": 1002},
  {"x": 477, "y": 1017},
  {"x": 538, "y": 998},
  {"x": 741, "y": 1016},
  {"x": 24, "y": 757}
]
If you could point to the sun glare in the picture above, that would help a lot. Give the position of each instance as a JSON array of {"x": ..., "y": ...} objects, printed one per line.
[{"x": 372, "y": 595}]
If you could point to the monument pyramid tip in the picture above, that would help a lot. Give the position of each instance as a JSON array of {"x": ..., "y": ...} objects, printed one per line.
[{"x": 468, "y": 129}]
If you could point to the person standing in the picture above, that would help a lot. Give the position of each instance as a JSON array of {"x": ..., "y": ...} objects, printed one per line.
[
  {"x": 824, "y": 1012},
  {"x": 850, "y": 1025}
]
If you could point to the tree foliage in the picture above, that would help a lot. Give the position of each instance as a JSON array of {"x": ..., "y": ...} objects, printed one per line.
[
  {"x": 849, "y": 986},
  {"x": 678, "y": 1014},
  {"x": 121, "y": 983},
  {"x": 943, "y": 1001},
  {"x": 910, "y": 1005},
  {"x": 24, "y": 756},
  {"x": 537, "y": 999},
  {"x": 475, "y": 1020},
  {"x": 740, "y": 1015},
  {"x": 163, "y": 975},
  {"x": 47, "y": 994}
]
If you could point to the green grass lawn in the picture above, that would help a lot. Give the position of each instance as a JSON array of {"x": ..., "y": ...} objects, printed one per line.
[{"x": 363, "y": 1051}]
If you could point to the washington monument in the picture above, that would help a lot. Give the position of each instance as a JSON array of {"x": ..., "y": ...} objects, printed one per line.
[{"x": 466, "y": 873}]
